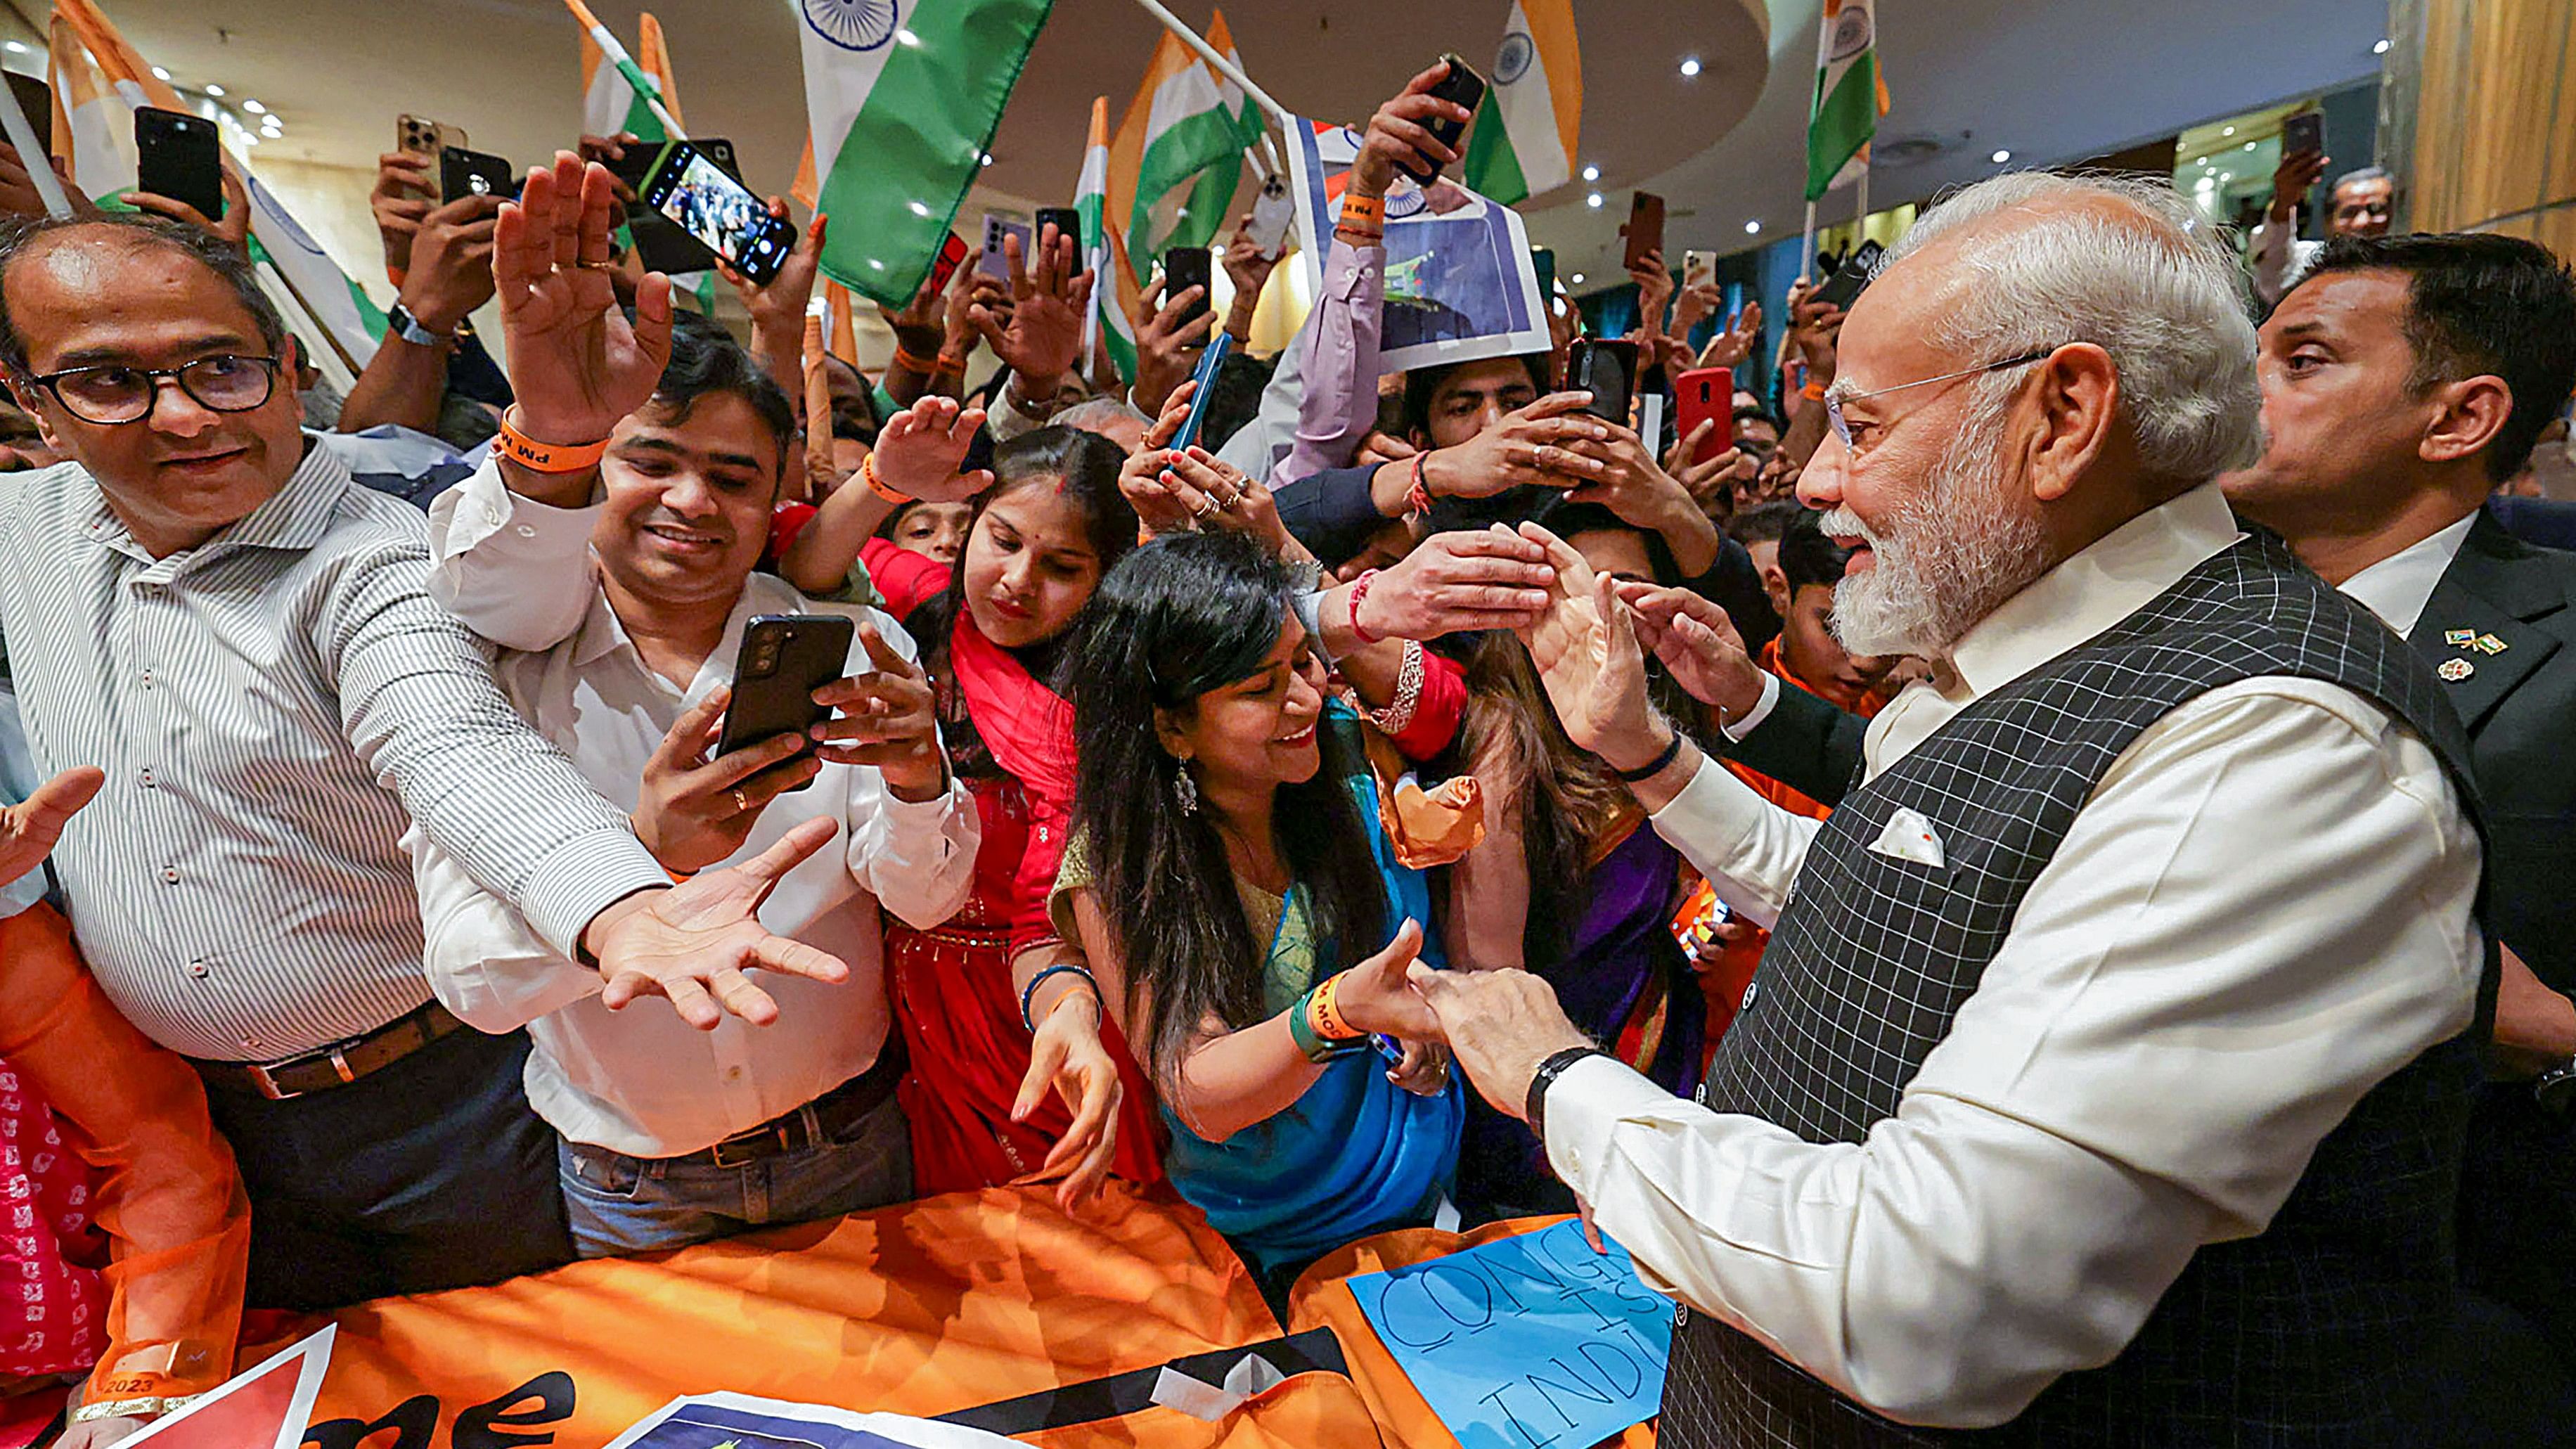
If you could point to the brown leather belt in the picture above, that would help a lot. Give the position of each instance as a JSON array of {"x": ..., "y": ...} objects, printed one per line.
[
  {"x": 338, "y": 1064},
  {"x": 828, "y": 1118}
]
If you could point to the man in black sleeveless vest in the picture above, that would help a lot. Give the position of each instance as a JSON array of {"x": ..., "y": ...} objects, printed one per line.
[{"x": 2105, "y": 1078}]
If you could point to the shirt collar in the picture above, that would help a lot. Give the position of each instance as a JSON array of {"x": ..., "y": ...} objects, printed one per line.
[
  {"x": 296, "y": 516},
  {"x": 2399, "y": 586},
  {"x": 602, "y": 633},
  {"x": 2107, "y": 581}
]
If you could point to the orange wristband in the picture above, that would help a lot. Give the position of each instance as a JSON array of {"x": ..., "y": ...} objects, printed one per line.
[
  {"x": 915, "y": 362},
  {"x": 1324, "y": 1013},
  {"x": 1813, "y": 392},
  {"x": 538, "y": 457},
  {"x": 1363, "y": 213},
  {"x": 877, "y": 485}
]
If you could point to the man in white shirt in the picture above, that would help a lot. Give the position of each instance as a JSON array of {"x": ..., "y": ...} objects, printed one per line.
[
  {"x": 626, "y": 583},
  {"x": 2103, "y": 1075},
  {"x": 2361, "y": 203},
  {"x": 2404, "y": 378}
]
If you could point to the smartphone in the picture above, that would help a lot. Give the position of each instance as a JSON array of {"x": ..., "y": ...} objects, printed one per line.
[
  {"x": 636, "y": 164},
  {"x": 1209, "y": 361},
  {"x": 659, "y": 243},
  {"x": 177, "y": 156},
  {"x": 1186, "y": 267},
  {"x": 1700, "y": 395},
  {"x": 1645, "y": 229},
  {"x": 463, "y": 173},
  {"x": 996, "y": 262},
  {"x": 2303, "y": 133},
  {"x": 1460, "y": 84},
  {"x": 784, "y": 658},
  {"x": 1699, "y": 269},
  {"x": 1844, "y": 287},
  {"x": 424, "y": 137},
  {"x": 36, "y": 99},
  {"x": 1068, "y": 222},
  {"x": 1543, "y": 262},
  {"x": 1272, "y": 211},
  {"x": 952, "y": 254},
  {"x": 691, "y": 189},
  {"x": 1607, "y": 369}
]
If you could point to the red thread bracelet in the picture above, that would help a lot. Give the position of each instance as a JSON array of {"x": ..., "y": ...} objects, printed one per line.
[
  {"x": 1359, "y": 591},
  {"x": 1417, "y": 499}
]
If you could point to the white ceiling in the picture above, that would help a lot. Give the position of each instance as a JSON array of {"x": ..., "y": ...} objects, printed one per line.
[{"x": 2051, "y": 80}]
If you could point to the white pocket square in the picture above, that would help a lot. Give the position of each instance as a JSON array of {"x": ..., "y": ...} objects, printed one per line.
[{"x": 1909, "y": 836}]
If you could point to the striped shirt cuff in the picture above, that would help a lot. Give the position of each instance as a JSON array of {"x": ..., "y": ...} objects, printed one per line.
[{"x": 584, "y": 876}]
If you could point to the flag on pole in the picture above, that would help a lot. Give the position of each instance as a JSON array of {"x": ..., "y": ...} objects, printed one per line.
[
  {"x": 99, "y": 81},
  {"x": 610, "y": 100},
  {"x": 1187, "y": 128},
  {"x": 903, "y": 99},
  {"x": 1850, "y": 96},
  {"x": 1113, "y": 287},
  {"x": 1537, "y": 97}
]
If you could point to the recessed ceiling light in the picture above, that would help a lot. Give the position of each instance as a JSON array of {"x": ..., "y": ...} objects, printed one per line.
[
  {"x": 17, "y": 47},
  {"x": 255, "y": 108},
  {"x": 2227, "y": 130},
  {"x": 1752, "y": 227},
  {"x": 1590, "y": 173},
  {"x": 1576, "y": 279},
  {"x": 1690, "y": 65},
  {"x": 2379, "y": 47},
  {"x": 2249, "y": 145},
  {"x": 2000, "y": 157},
  {"x": 1593, "y": 201},
  {"x": 157, "y": 72},
  {"x": 215, "y": 90},
  {"x": 984, "y": 160}
]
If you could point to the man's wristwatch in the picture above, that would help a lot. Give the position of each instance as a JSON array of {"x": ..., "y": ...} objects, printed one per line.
[
  {"x": 400, "y": 321},
  {"x": 2556, "y": 1089},
  {"x": 1534, "y": 1106}
]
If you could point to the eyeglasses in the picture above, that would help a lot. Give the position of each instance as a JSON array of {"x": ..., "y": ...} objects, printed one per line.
[
  {"x": 1834, "y": 400},
  {"x": 113, "y": 393}
]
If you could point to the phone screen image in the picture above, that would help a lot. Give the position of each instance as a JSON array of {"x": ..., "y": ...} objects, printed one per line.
[{"x": 720, "y": 211}]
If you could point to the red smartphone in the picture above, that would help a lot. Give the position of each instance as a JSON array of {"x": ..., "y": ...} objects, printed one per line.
[
  {"x": 1703, "y": 394},
  {"x": 951, "y": 252},
  {"x": 1645, "y": 228}
]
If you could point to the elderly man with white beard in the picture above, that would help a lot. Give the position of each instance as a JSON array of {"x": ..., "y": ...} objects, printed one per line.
[{"x": 2104, "y": 1079}]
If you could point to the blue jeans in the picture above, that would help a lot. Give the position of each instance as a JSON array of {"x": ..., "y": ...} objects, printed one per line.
[{"x": 619, "y": 1204}]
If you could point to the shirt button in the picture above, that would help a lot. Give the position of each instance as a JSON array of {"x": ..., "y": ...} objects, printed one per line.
[
  {"x": 170, "y": 873},
  {"x": 527, "y": 531},
  {"x": 1750, "y": 987},
  {"x": 147, "y": 780},
  {"x": 197, "y": 969},
  {"x": 147, "y": 679}
]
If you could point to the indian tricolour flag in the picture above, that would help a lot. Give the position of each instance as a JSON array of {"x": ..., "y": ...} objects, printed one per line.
[
  {"x": 903, "y": 96},
  {"x": 99, "y": 80},
  {"x": 612, "y": 102},
  {"x": 1187, "y": 127},
  {"x": 1537, "y": 96},
  {"x": 1113, "y": 287},
  {"x": 1850, "y": 96}
]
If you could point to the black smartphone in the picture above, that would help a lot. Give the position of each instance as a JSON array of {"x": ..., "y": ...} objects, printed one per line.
[
  {"x": 2303, "y": 133},
  {"x": 1543, "y": 262},
  {"x": 784, "y": 658},
  {"x": 688, "y": 187},
  {"x": 1209, "y": 361},
  {"x": 1848, "y": 281},
  {"x": 659, "y": 243},
  {"x": 36, "y": 99},
  {"x": 1187, "y": 267},
  {"x": 1068, "y": 222},
  {"x": 636, "y": 164},
  {"x": 1462, "y": 85},
  {"x": 463, "y": 173},
  {"x": 1607, "y": 369},
  {"x": 177, "y": 156}
]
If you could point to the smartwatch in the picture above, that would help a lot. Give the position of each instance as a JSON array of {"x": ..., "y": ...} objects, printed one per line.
[
  {"x": 2556, "y": 1089},
  {"x": 400, "y": 321},
  {"x": 1534, "y": 1106}
]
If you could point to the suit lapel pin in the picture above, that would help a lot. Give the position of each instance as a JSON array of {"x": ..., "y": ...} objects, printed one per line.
[
  {"x": 2490, "y": 644},
  {"x": 2459, "y": 638},
  {"x": 2455, "y": 670}
]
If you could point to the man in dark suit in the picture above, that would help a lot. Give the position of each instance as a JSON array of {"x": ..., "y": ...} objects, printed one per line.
[{"x": 2403, "y": 378}]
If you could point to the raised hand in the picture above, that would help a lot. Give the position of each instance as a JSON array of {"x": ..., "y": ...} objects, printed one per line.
[
  {"x": 1502, "y": 1024},
  {"x": 1588, "y": 659},
  {"x": 1698, "y": 646},
  {"x": 1696, "y": 304},
  {"x": 1532, "y": 445},
  {"x": 449, "y": 271},
  {"x": 1455, "y": 583},
  {"x": 1730, "y": 347},
  {"x": 405, "y": 193},
  {"x": 29, "y": 828},
  {"x": 1654, "y": 291},
  {"x": 918, "y": 451},
  {"x": 1814, "y": 329},
  {"x": 1042, "y": 341},
  {"x": 884, "y": 718},
  {"x": 1159, "y": 508},
  {"x": 1066, "y": 1056},
  {"x": 777, "y": 306},
  {"x": 1249, "y": 267},
  {"x": 691, "y": 944},
  {"x": 1398, "y": 135},
  {"x": 576, "y": 364},
  {"x": 694, "y": 811},
  {"x": 1375, "y": 996},
  {"x": 1167, "y": 345},
  {"x": 233, "y": 228}
]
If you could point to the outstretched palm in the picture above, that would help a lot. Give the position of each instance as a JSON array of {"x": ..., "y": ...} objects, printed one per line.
[
  {"x": 1586, "y": 651},
  {"x": 577, "y": 365},
  {"x": 692, "y": 943}
]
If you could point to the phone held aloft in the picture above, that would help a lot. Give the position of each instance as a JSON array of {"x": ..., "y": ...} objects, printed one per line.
[
  {"x": 463, "y": 173},
  {"x": 1187, "y": 267},
  {"x": 1461, "y": 84},
  {"x": 784, "y": 658},
  {"x": 177, "y": 156},
  {"x": 1607, "y": 369},
  {"x": 690, "y": 188}
]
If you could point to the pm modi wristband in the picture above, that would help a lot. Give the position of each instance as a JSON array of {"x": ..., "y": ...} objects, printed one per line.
[{"x": 538, "y": 457}]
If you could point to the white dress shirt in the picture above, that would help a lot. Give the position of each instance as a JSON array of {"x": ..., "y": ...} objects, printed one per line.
[
  {"x": 641, "y": 1081},
  {"x": 2262, "y": 911},
  {"x": 2399, "y": 586},
  {"x": 2278, "y": 258}
]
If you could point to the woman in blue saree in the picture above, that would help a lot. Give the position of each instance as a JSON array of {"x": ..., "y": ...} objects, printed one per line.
[{"x": 1229, "y": 882}]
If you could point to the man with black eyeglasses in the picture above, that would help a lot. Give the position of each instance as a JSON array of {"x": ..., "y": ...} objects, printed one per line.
[{"x": 205, "y": 606}]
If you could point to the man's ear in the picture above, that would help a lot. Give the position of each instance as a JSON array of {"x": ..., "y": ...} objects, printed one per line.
[
  {"x": 1775, "y": 582},
  {"x": 31, "y": 400},
  {"x": 2079, "y": 389},
  {"x": 2472, "y": 412},
  {"x": 290, "y": 364}
]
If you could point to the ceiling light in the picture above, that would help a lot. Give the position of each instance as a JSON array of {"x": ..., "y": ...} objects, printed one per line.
[
  {"x": 216, "y": 91},
  {"x": 984, "y": 160},
  {"x": 1590, "y": 173},
  {"x": 2227, "y": 130},
  {"x": 1752, "y": 227},
  {"x": 2000, "y": 157},
  {"x": 2249, "y": 145},
  {"x": 255, "y": 108},
  {"x": 1593, "y": 201},
  {"x": 17, "y": 47},
  {"x": 2226, "y": 175},
  {"x": 1576, "y": 279},
  {"x": 2379, "y": 47},
  {"x": 157, "y": 72},
  {"x": 1690, "y": 65},
  {"x": 270, "y": 127}
]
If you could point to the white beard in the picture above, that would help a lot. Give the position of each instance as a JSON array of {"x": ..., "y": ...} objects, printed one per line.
[{"x": 1950, "y": 557}]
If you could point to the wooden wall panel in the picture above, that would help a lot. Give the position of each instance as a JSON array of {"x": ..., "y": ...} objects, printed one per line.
[{"x": 2495, "y": 120}]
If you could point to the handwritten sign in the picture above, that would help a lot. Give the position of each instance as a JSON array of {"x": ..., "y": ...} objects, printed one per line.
[{"x": 1526, "y": 1342}]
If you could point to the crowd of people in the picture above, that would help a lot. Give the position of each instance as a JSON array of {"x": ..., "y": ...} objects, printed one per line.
[{"x": 2019, "y": 888}]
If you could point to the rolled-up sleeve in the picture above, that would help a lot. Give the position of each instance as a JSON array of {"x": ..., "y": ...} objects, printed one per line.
[{"x": 518, "y": 572}]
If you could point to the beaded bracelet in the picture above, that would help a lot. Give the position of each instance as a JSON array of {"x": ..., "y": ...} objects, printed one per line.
[{"x": 1029, "y": 993}]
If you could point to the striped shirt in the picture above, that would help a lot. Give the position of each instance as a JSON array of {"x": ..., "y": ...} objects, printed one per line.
[{"x": 272, "y": 709}]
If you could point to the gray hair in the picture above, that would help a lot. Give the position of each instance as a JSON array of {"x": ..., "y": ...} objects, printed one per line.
[
  {"x": 2157, "y": 288},
  {"x": 2360, "y": 174},
  {"x": 1091, "y": 414},
  {"x": 20, "y": 235}
]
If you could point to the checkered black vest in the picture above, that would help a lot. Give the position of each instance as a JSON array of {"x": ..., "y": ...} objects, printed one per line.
[{"x": 2288, "y": 1338}]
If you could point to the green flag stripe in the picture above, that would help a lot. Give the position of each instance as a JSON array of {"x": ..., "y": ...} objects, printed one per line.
[
  {"x": 1844, "y": 120},
  {"x": 1171, "y": 159},
  {"x": 1492, "y": 169}
]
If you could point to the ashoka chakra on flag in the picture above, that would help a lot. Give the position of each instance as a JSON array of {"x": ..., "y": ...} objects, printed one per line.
[{"x": 853, "y": 24}]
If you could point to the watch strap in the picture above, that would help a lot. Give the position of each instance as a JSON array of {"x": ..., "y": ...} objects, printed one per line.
[
  {"x": 400, "y": 321},
  {"x": 1534, "y": 1106}
]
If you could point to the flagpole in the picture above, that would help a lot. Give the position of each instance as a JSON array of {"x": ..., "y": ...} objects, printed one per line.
[
  {"x": 40, "y": 166},
  {"x": 1807, "y": 247},
  {"x": 626, "y": 66},
  {"x": 1206, "y": 52}
]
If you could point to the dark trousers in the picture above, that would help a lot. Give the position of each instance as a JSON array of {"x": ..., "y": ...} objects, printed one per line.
[{"x": 430, "y": 1173}]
